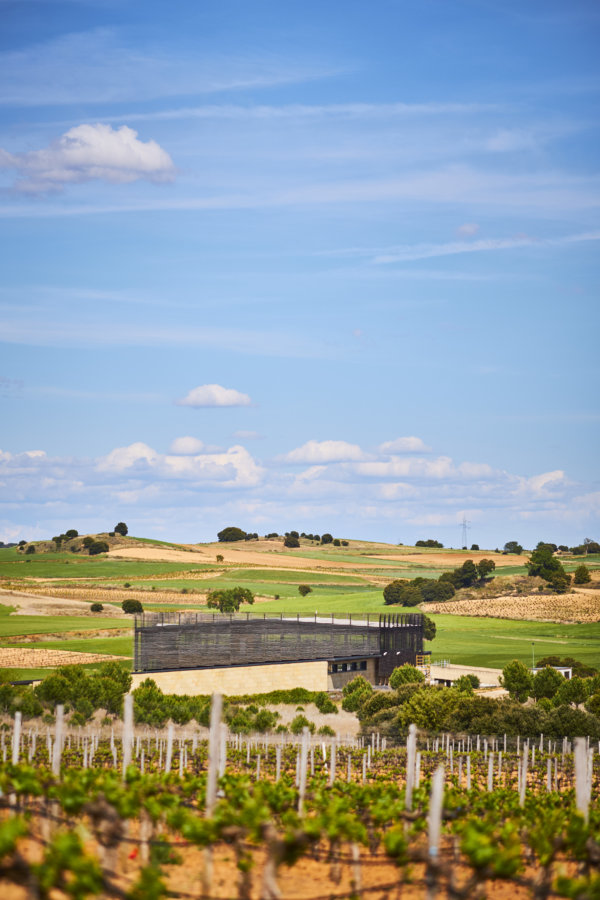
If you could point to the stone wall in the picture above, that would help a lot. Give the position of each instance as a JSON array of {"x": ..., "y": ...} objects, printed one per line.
[{"x": 240, "y": 679}]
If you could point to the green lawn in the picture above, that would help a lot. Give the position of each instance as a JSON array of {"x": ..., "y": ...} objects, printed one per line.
[{"x": 477, "y": 641}]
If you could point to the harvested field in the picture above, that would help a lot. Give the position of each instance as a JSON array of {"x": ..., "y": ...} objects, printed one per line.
[
  {"x": 51, "y": 602},
  {"x": 77, "y": 594},
  {"x": 579, "y": 606},
  {"x": 451, "y": 560},
  {"x": 26, "y": 658}
]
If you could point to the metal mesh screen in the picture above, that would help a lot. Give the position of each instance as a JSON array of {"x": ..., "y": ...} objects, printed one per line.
[{"x": 205, "y": 640}]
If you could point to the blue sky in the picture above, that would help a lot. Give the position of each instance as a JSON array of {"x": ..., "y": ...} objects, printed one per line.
[{"x": 347, "y": 251}]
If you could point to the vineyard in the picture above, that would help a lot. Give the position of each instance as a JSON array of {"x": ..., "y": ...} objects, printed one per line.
[{"x": 144, "y": 814}]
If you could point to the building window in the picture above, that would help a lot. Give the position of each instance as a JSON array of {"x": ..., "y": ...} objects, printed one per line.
[
  {"x": 344, "y": 667},
  {"x": 354, "y": 667},
  {"x": 363, "y": 665}
]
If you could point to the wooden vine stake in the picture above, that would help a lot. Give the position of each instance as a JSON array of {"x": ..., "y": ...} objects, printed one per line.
[
  {"x": 411, "y": 750},
  {"x": 302, "y": 774},
  {"x": 58, "y": 739},
  {"x": 127, "y": 731},
  {"x": 434, "y": 825},
  {"x": 216, "y": 708},
  {"x": 583, "y": 783}
]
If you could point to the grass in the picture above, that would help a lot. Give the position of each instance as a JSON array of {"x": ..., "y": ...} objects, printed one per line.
[
  {"x": 14, "y": 565},
  {"x": 476, "y": 641},
  {"x": 116, "y": 646},
  {"x": 14, "y": 625}
]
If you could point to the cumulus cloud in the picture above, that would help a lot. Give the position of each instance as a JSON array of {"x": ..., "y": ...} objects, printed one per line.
[
  {"x": 87, "y": 153},
  {"x": 187, "y": 446},
  {"x": 405, "y": 445},
  {"x": 325, "y": 452},
  {"x": 214, "y": 395},
  {"x": 122, "y": 458}
]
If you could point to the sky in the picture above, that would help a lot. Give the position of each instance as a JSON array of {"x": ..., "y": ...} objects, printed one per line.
[{"x": 329, "y": 266}]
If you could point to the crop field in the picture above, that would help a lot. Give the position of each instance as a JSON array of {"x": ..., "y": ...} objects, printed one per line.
[
  {"x": 143, "y": 814},
  {"x": 14, "y": 565}
]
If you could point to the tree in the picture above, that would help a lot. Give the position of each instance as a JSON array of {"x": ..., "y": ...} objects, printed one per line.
[
  {"x": 327, "y": 538},
  {"x": 406, "y": 674},
  {"x": 131, "y": 606},
  {"x": 393, "y": 592},
  {"x": 546, "y": 683},
  {"x": 485, "y": 566},
  {"x": 71, "y": 533},
  {"x": 96, "y": 607},
  {"x": 430, "y": 542},
  {"x": 230, "y": 534},
  {"x": 121, "y": 528},
  {"x": 229, "y": 600},
  {"x": 30, "y": 549},
  {"x": 356, "y": 692},
  {"x": 88, "y": 541},
  {"x": 582, "y": 575},
  {"x": 292, "y": 542},
  {"x": 467, "y": 574},
  {"x": 437, "y": 591},
  {"x": 517, "y": 680},
  {"x": 97, "y": 547},
  {"x": 513, "y": 547},
  {"x": 304, "y": 589},
  {"x": 429, "y": 628},
  {"x": 466, "y": 683},
  {"x": 572, "y": 690},
  {"x": 474, "y": 546},
  {"x": 337, "y": 542},
  {"x": 545, "y": 565}
]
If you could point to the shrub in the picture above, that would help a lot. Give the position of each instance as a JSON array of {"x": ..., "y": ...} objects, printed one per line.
[
  {"x": 466, "y": 683},
  {"x": 121, "y": 528},
  {"x": 290, "y": 541},
  {"x": 304, "y": 589},
  {"x": 582, "y": 575},
  {"x": 97, "y": 547},
  {"x": 30, "y": 549},
  {"x": 355, "y": 693},
  {"x": 326, "y": 731},
  {"x": 96, "y": 607},
  {"x": 344, "y": 543},
  {"x": 406, "y": 674},
  {"x": 337, "y": 542},
  {"x": 71, "y": 533},
  {"x": 127, "y": 584},
  {"x": 87, "y": 542},
  {"x": 230, "y": 534},
  {"x": 219, "y": 557},
  {"x": 327, "y": 538},
  {"x": 299, "y": 723},
  {"x": 324, "y": 704},
  {"x": 131, "y": 606}
]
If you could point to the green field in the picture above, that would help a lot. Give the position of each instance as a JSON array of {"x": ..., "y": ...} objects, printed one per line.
[
  {"x": 115, "y": 646},
  {"x": 71, "y": 565}
]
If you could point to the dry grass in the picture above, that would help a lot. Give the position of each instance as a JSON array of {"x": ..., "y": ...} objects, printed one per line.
[
  {"x": 26, "y": 658},
  {"x": 579, "y": 606}
]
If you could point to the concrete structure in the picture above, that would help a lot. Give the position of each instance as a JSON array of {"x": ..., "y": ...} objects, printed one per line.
[
  {"x": 198, "y": 653},
  {"x": 448, "y": 674}
]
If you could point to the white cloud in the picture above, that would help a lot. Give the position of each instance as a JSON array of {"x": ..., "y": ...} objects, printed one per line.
[
  {"x": 214, "y": 395},
  {"x": 187, "y": 446},
  {"x": 122, "y": 458},
  {"x": 468, "y": 229},
  {"x": 405, "y": 445},
  {"x": 247, "y": 435},
  {"x": 325, "y": 452},
  {"x": 86, "y": 153}
]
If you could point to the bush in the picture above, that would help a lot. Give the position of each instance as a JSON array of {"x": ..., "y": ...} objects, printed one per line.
[
  {"x": 344, "y": 543},
  {"x": 327, "y": 538},
  {"x": 299, "y": 723},
  {"x": 429, "y": 543},
  {"x": 97, "y": 547},
  {"x": 292, "y": 542},
  {"x": 230, "y": 534},
  {"x": 324, "y": 704},
  {"x": 466, "y": 683},
  {"x": 326, "y": 731},
  {"x": 437, "y": 591},
  {"x": 304, "y": 589},
  {"x": 71, "y": 533},
  {"x": 87, "y": 542},
  {"x": 96, "y": 607},
  {"x": 406, "y": 674},
  {"x": 30, "y": 549},
  {"x": 582, "y": 575},
  {"x": 355, "y": 693},
  {"x": 131, "y": 606},
  {"x": 337, "y": 542},
  {"x": 121, "y": 528}
]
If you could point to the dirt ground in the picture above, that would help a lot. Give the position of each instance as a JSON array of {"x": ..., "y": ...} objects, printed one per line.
[
  {"x": 271, "y": 558},
  {"x": 41, "y": 605},
  {"x": 30, "y": 658}
]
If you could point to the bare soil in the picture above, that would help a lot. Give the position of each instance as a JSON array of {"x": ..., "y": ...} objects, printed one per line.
[
  {"x": 30, "y": 658},
  {"x": 34, "y": 604}
]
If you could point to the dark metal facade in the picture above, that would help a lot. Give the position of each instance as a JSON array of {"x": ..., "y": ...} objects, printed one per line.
[{"x": 167, "y": 641}]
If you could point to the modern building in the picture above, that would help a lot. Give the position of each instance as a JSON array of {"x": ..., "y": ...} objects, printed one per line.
[{"x": 242, "y": 653}]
